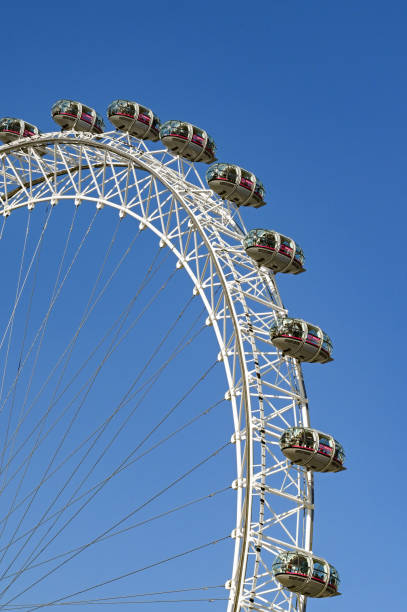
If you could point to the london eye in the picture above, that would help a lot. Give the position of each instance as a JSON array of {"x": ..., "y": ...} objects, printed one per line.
[{"x": 153, "y": 408}]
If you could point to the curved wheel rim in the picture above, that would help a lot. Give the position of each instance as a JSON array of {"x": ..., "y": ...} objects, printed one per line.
[{"x": 266, "y": 390}]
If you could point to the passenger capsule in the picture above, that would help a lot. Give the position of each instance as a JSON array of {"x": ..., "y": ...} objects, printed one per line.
[
  {"x": 236, "y": 184},
  {"x": 71, "y": 115},
  {"x": 135, "y": 119},
  {"x": 275, "y": 251},
  {"x": 305, "y": 574},
  {"x": 299, "y": 339},
  {"x": 12, "y": 129},
  {"x": 312, "y": 449},
  {"x": 188, "y": 141}
]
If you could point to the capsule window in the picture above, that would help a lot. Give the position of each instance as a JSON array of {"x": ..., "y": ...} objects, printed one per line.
[
  {"x": 127, "y": 108},
  {"x": 334, "y": 577},
  {"x": 232, "y": 174},
  {"x": 211, "y": 174},
  {"x": 293, "y": 437},
  {"x": 259, "y": 189},
  {"x": 339, "y": 452},
  {"x": 285, "y": 438},
  {"x": 319, "y": 571},
  {"x": 307, "y": 439},
  {"x": 299, "y": 254},
  {"x": 291, "y": 563},
  {"x": 326, "y": 343},
  {"x": 99, "y": 122},
  {"x": 73, "y": 109},
  {"x": 285, "y": 245},
  {"x": 86, "y": 110},
  {"x": 30, "y": 129},
  {"x": 166, "y": 129},
  {"x": 297, "y": 564},
  {"x": 14, "y": 125},
  {"x": 278, "y": 565},
  {"x": 325, "y": 445},
  {"x": 221, "y": 170},
  {"x": 65, "y": 106},
  {"x": 246, "y": 179},
  {"x": 174, "y": 127},
  {"x": 260, "y": 237},
  {"x": 250, "y": 239},
  {"x": 292, "y": 328},
  {"x": 144, "y": 115},
  {"x": 268, "y": 239},
  {"x": 327, "y": 347},
  {"x": 115, "y": 107},
  {"x": 295, "y": 328},
  {"x": 289, "y": 436},
  {"x": 314, "y": 331},
  {"x": 182, "y": 129},
  {"x": 314, "y": 335},
  {"x": 198, "y": 136}
]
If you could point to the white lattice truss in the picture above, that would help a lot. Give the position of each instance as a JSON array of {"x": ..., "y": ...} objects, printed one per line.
[{"x": 165, "y": 194}]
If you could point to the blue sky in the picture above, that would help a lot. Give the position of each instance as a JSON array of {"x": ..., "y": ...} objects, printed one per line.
[{"x": 311, "y": 96}]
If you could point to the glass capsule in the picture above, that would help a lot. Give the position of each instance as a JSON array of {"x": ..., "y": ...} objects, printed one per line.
[{"x": 236, "y": 185}]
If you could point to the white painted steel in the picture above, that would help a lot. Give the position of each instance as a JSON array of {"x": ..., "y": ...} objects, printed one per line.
[{"x": 274, "y": 500}]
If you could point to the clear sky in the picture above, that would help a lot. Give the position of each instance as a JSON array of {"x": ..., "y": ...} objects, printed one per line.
[{"x": 311, "y": 96}]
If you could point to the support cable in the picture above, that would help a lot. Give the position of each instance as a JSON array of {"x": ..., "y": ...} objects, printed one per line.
[
  {"x": 136, "y": 571},
  {"x": 38, "y": 437},
  {"x": 126, "y": 310},
  {"x": 34, "y": 258},
  {"x": 127, "y": 529},
  {"x": 150, "y": 382},
  {"x": 63, "y": 440},
  {"x": 11, "y": 330},
  {"x": 41, "y": 329},
  {"x": 78, "y": 488},
  {"x": 118, "y": 523},
  {"x": 26, "y": 276},
  {"x": 23, "y": 343},
  {"x": 126, "y": 598},
  {"x": 125, "y": 465}
]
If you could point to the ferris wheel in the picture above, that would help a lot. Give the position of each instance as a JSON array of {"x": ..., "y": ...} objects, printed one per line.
[{"x": 126, "y": 390}]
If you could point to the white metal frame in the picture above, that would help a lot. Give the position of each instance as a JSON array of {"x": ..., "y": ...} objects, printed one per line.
[{"x": 164, "y": 193}]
